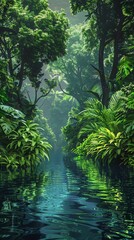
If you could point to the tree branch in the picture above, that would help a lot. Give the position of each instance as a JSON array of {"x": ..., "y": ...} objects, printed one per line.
[
  {"x": 62, "y": 89},
  {"x": 44, "y": 95},
  {"x": 95, "y": 68}
]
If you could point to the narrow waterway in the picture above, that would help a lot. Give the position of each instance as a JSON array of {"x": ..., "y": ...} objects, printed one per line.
[{"x": 60, "y": 202}]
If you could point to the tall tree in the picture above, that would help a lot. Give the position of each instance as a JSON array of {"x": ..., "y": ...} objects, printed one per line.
[
  {"x": 32, "y": 35},
  {"x": 113, "y": 23}
]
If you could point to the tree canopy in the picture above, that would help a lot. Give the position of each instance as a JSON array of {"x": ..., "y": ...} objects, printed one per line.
[
  {"x": 113, "y": 25},
  {"x": 76, "y": 74},
  {"x": 32, "y": 35}
]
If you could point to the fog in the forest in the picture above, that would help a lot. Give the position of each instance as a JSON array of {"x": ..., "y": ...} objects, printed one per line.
[
  {"x": 56, "y": 110},
  {"x": 64, "y": 5}
]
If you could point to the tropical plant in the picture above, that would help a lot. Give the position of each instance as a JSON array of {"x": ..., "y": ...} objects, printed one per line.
[
  {"x": 28, "y": 144},
  {"x": 125, "y": 116},
  {"x": 11, "y": 112},
  {"x": 125, "y": 73},
  {"x": 107, "y": 134},
  {"x": 9, "y": 120},
  {"x": 103, "y": 145},
  {"x": 21, "y": 142},
  {"x": 94, "y": 116}
]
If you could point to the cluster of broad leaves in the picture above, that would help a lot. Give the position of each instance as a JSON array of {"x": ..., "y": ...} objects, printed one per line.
[
  {"x": 106, "y": 134},
  {"x": 31, "y": 35},
  {"x": 21, "y": 143}
]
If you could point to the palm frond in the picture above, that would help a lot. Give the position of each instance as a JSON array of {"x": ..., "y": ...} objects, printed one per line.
[{"x": 116, "y": 101}]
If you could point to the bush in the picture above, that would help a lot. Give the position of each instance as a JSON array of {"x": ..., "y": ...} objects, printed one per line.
[{"x": 21, "y": 143}]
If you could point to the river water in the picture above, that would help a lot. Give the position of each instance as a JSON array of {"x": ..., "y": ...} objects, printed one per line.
[{"x": 60, "y": 202}]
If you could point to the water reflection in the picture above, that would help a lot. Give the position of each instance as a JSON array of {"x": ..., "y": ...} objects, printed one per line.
[
  {"x": 59, "y": 202},
  {"x": 115, "y": 190}
]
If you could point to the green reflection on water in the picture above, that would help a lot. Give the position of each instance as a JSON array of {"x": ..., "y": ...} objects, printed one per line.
[
  {"x": 24, "y": 185},
  {"x": 99, "y": 183},
  {"x": 115, "y": 194}
]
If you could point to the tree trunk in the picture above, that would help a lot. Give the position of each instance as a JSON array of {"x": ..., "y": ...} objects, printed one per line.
[
  {"x": 104, "y": 83},
  {"x": 118, "y": 35}
]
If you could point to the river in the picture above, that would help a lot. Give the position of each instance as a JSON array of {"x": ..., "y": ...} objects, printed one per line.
[{"x": 60, "y": 202}]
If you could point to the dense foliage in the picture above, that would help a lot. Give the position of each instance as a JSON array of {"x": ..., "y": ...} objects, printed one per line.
[
  {"x": 21, "y": 143},
  {"x": 76, "y": 75},
  {"x": 106, "y": 134},
  {"x": 31, "y": 35},
  {"x": 97, "y": 71},
  {"x": 57, "y": 115},
  {"x": 109, "y": 27},
  {"x": 104, "y": 129}
]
